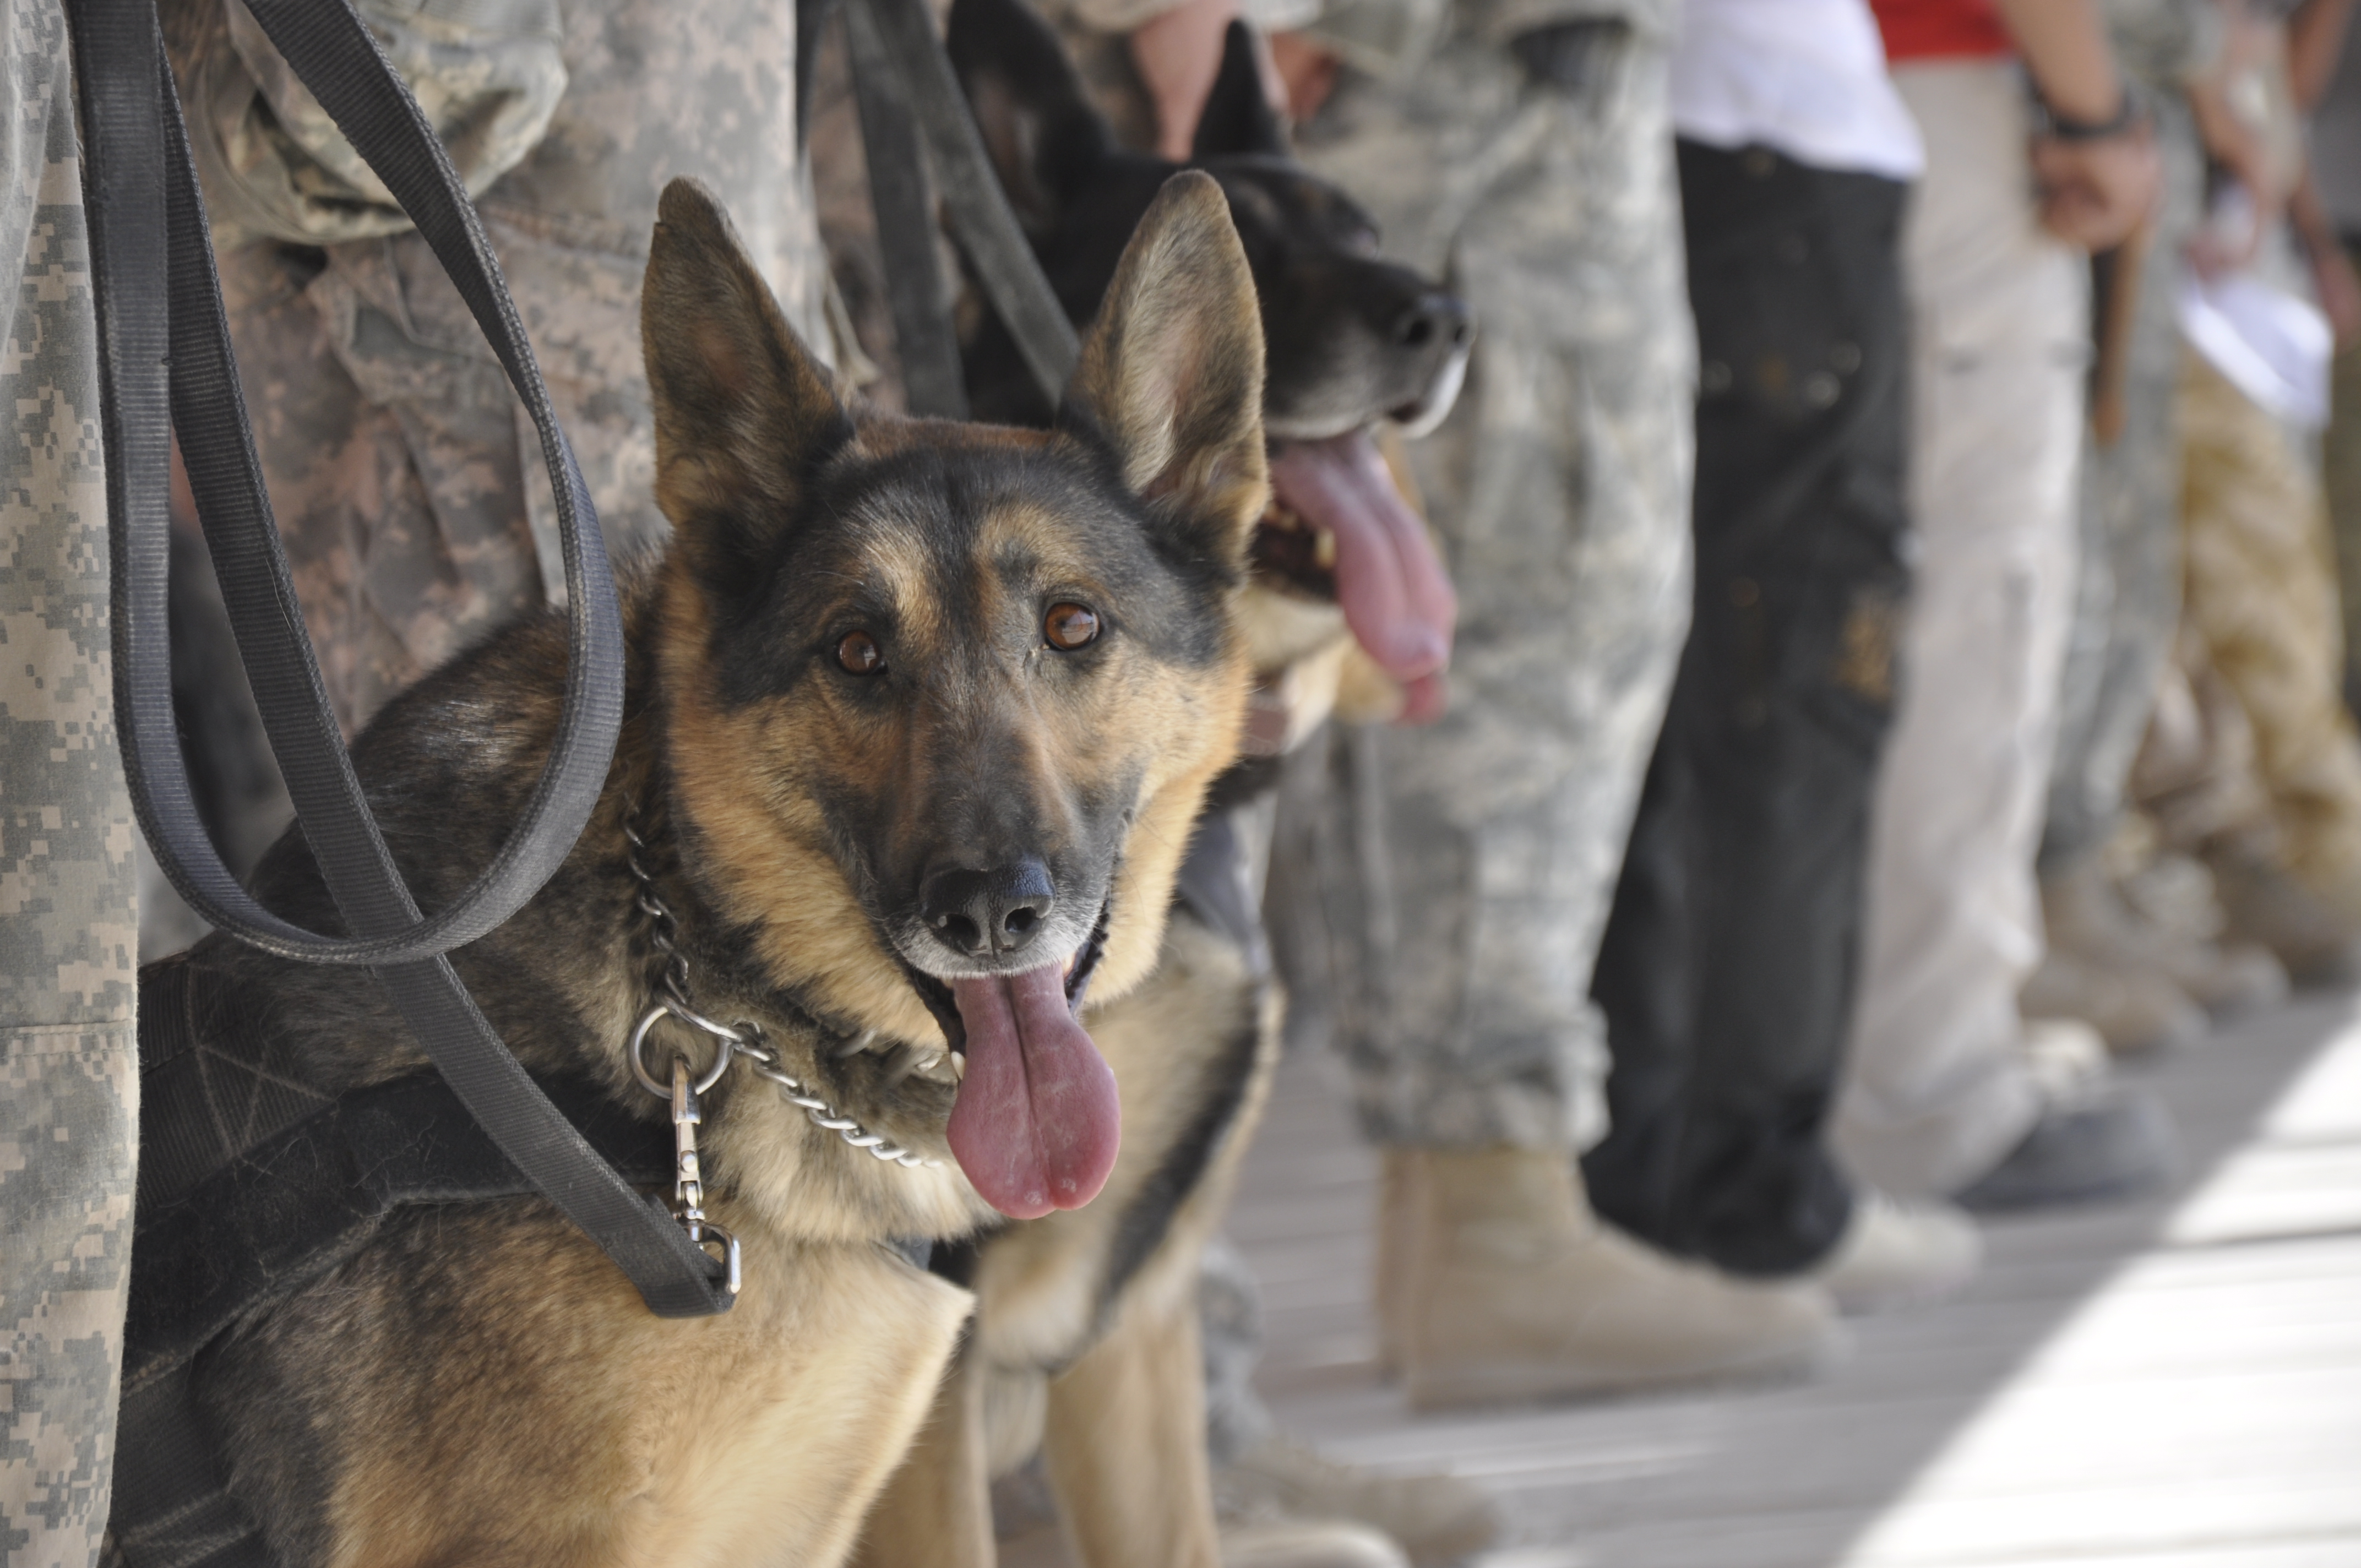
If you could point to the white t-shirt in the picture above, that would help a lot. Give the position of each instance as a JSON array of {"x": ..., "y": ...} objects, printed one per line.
[{"x": 1805, "y": 77}]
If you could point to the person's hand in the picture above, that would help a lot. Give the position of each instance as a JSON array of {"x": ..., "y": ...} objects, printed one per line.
[
  {"x": 1566, "y": 57},
  {"x": 1178, "y": 54},
  {"x": 2232, "y": 235},
  {"x": 2095, "y": 191},
  {"x": 1306, "y": 69}
]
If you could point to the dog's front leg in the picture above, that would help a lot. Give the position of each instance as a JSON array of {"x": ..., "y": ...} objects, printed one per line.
[
  {"x": 1126, "y": 1442},
  {"x": 937, "y": 1511}
]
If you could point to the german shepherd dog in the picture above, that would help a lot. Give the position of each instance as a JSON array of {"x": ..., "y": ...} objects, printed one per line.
[
  {"x": 918, "y": 717},
  {"x": 1085, "y": 1343}
]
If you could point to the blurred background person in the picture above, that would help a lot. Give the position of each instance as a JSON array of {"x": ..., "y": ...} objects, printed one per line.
[
  {"x": 2327, "y": 73},
  {"x": 2264, "y": 621},
  {"x": 1950, "y": 1092},
  {"x": 1728, "y": 969},
  {"x": 1523, "y": 151},
  {"x": 2145, "y": 982}
]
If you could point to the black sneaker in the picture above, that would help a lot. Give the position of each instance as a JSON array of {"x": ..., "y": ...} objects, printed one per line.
[{"x": 2107, "y": 1143}]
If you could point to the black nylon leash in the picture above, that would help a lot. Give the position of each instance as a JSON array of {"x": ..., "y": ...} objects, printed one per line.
[
  {"x": 925, "y": 338},
  {"x": 901, "y": 74}
]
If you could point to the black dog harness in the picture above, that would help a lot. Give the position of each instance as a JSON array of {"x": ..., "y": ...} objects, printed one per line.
[{"x": 252, "y": 1186}]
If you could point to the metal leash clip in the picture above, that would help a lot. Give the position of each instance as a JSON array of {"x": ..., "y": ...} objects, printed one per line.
[
  {"x": 687, "y": 1112},
  {"x": 688, "y": 1177}
]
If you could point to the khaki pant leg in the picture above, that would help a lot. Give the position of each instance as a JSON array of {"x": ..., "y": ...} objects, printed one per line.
[{"x": 1939, "y": 1088}]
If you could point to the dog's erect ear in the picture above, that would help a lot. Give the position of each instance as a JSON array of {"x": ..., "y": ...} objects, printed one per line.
[
  {"x": 1170, "y": 376},
  {"x": 743, "y": 414},
  {"x": 1038, "y": 124},
  {"x": 1237, "y": 120}
]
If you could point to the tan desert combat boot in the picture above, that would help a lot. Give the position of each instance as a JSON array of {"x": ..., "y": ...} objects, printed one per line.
[
  {"x": 1307, "y": 1543},
  {"x": 1507, "y": 1289}
]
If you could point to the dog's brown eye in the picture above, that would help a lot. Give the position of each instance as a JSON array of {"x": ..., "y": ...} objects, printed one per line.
[
  {"x": 859, "y": 653},
  {"x": 1071, "y": 626}
]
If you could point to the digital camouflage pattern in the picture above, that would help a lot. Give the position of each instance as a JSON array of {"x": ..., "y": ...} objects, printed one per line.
[
  {"x": 1391, "y": 39},
  {"x": 69, "y": 1083},
  {"x": 2128, "y": 600},
  {"x": 406, "y": 480},
  {"x": 1471, "y": 864},
  {"x": 487, "y": 74}
]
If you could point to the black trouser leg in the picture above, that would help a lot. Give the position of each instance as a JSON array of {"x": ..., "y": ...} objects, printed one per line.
[{"x": 1726, "y": 970}]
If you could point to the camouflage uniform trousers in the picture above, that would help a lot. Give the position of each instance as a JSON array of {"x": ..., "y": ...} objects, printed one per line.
[
  {"x": 69, "y": 1079},
  {"x": 2262, "y": 594},
  {"x": 2127, "y": 603},
  {"x": 1471, "y": 863},
  {"x": 406, "y": 480}
]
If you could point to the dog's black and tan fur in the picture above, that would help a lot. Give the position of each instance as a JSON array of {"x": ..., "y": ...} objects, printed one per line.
[{"x": 480, "y": 1385}]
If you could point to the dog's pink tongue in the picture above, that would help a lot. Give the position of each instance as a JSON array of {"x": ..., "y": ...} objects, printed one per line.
[
  {"x": 1392, "y": 589},
  {"x": 1037, "y": 1121}
]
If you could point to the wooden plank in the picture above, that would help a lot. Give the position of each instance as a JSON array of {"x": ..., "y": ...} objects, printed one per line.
[{"x": 2169, "y": 1385}]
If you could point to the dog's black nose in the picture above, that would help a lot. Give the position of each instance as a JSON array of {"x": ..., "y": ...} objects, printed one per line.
[
  {"x": 1434, "y": 319},
  {"x": 987, "y": 913}
]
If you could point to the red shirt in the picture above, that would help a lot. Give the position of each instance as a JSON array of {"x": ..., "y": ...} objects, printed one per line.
[{"x": 1940, "y": 30}]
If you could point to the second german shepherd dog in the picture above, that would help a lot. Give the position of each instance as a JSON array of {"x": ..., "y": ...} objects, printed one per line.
[{"x": 918, "y": 718}]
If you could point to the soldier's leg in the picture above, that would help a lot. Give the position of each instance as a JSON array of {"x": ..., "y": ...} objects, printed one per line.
[
  {"x": 1484, "y": 847},
  {"x": 407, "y": 535},
  {"x": 1558, "y": 486},
  {"x": 69, "y": 1073}
]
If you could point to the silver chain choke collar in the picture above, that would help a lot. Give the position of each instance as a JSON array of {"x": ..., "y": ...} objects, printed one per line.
[{"x": 744, "y": 1038}]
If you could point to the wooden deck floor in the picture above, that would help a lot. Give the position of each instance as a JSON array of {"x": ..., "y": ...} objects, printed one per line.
[{"x": 2172, "y": 1385}]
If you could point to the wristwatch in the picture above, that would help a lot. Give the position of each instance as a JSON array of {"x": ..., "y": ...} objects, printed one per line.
[{"x": 2130, "y": 114}]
